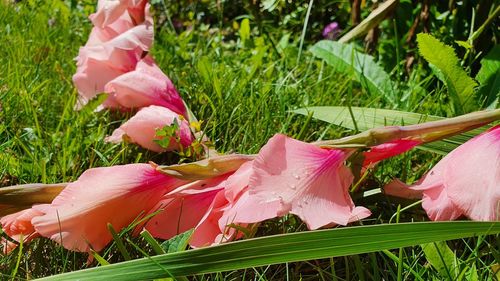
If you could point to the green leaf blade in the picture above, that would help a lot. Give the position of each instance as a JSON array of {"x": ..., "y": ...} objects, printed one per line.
[
  {"x": 344, "y": 58},
  {"x": 489, "y": 78},
  {"x": 285, "y": 248}
]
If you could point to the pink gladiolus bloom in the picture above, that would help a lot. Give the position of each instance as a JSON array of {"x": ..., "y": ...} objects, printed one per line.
[
  {"x": 79, "y": 215},
  {"x": 145, "y": 86},
  {"x": 291, "y": 176},
  {"x": 101, "y": 63},
  {"x": 465, "y": 182},
  {"x": 142, "y": 127},
  {"x": 18, "y": 227},
  {"x": 387, "y": 150},
  {"x": 108, "y": 11}
]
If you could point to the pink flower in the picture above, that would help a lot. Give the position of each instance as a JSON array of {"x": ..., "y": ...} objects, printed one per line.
[
  {"x": 142, "y": 129},
  {"x": 79, "y": 215},
  {"x": 97, "y": 64},
  {"x": 332, "y": 31},
  {"x": 465, "y": 182},
  {"x": 18, "y": 227},
  {"x": 387, "y": 150},
  {"x": 108, "y": 11},
  {"x": 290, "y": 176},
  {"x": 145, "y": 86}
]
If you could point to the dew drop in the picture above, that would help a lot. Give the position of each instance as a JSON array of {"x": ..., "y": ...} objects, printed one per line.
[
  {"x": 297, "y": 177},
  {"x": 293, "y": 187}
]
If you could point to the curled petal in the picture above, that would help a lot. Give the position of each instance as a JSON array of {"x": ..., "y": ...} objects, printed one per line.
[
  {"x": 142, "y": 127},
  {"x": 108, "y": 11},
  {"x": 146, "y": 85},
  {"x": 387, "y": 150},
  {"x": 100, "y": 35},
  {"x": 99, "y": 64},
  {"x": 18, "y": 227},
  {"x": 118, "y": 195}
]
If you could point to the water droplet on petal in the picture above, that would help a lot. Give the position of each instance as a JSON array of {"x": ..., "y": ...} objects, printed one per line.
[
  {"x": 293, "y": 187},
  {"x": 297, "y": 177}
]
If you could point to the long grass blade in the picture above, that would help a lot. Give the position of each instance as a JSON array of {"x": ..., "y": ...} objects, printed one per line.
[{"x": 285, "y": 248}]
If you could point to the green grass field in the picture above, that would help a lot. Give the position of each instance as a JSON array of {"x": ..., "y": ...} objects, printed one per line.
[{"x": 243, "y": 93}]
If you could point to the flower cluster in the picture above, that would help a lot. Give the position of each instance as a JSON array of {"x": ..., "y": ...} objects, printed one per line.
[
  {"x": 222, "y": 198},
  {"x": 286, "y": 177},
  {"x": 115, "y": 61}
]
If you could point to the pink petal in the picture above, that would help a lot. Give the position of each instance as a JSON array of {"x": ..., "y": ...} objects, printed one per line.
[
  {"x": 78, "y": 216},
  {"x": 99, "y": 64},
  {"x": 145, "y": 86},
  {"x": 387, "y": 150},
  {"x": 207, "y": 232},
  {"x": 100, "y": 35},
  {"x": 141, "y": 129},
  {"x": 182, "y": 209},
  {"x": 108, "y": 11},
  {"x": 438, "y": 205},
  {"x": 91, "y": 78},
  {"x": 464, "y": 182},
  {"x": 400, "y": 189},
  {"x": 18, "y": 226},
  {"x": 472, "y": 176},
  {"x": 306, "y": 180}
]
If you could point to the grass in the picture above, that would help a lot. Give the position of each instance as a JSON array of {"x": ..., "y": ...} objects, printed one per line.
[{"x": 242, "y": 92}]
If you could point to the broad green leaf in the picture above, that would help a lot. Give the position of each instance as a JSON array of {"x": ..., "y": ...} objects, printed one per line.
[
  {"x": 367, "y": 118},
  {"x": 177, "y": 243},
  {"x": 285, "y": 248},
  {"x": 442, "y": 57},
  {"x": 489, "y": 78},
  {"x": 442, "y": 258},
  {"x": 344, "y": 58}
]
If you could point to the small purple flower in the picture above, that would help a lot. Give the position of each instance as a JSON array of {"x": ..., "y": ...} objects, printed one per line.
[{"x": 332, "y": 31}]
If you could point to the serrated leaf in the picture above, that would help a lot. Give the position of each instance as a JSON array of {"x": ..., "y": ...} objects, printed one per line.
[
  {"x": 344, "y": 58},
  {"x": 285, "y": 248},
  {"x": 460, "y": 86},
  {"x": 368, "y": 118},
  {"x": 489, "y": 78},
  {"x": 442, "y": 258},
  {"x": 177, "y": 243}
]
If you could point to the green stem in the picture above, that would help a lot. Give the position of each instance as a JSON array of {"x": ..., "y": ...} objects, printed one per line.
[
  {"x": 425, "y": 132},
  {"x": 481, "y": 29}
]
